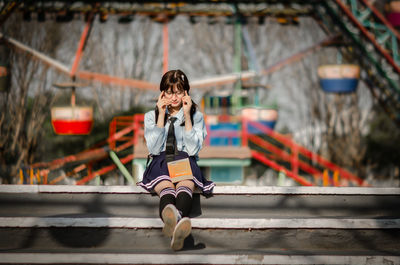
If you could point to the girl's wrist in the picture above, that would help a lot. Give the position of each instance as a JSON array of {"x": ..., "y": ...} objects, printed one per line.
[
  {"x": 188, "y": 122},
  {"x": 160, "y": 119},
  {"x": 161, "y": 110}
]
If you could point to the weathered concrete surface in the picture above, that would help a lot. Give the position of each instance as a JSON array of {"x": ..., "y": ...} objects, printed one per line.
[
  {"x": 236, "y": 226},
  {"x": 183, "y": 258},
  {"x": 203, "y": 241},
  {"x": 228, "y": 206}
]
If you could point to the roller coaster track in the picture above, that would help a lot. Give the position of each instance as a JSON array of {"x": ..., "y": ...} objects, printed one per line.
[{"x": 376, "y": 45}]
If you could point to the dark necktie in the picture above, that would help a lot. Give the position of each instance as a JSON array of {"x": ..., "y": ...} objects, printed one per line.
[{"x": 171, "y": 150}]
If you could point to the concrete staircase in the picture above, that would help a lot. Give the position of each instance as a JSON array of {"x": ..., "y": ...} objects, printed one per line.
[{"x": 238, "y": 225}]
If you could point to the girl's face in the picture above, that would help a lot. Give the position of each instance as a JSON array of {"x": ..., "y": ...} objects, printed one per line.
[{"x": 175, "y": 95}]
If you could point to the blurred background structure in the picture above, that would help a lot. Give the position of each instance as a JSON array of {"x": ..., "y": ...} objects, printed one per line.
[{"x": 294, "y": 92}]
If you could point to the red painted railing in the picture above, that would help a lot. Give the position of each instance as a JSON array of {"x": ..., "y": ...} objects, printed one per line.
[
  {"x": 138, "y": 126},
  {"x": 283, "y": 155},
  {"x": 262, "y": 158},
  {"x": 124, "y": 130},
  {"x": 295, "y": 151},
  {"x": 123, "y": 133},
  {"x": 121, "y": 129},
  {"x": 103, "y": 170}
]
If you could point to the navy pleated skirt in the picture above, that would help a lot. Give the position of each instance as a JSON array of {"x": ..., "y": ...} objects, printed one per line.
[{"x": 157, "y": 171}]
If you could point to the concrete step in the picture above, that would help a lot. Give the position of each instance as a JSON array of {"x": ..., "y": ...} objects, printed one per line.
[
  {"x": 227, "y": 202},
  {"x": 126, "y": 258},
  {"x": 199, "y": 223},
  {"x": 312, "y": 236},
  {"x": 239, "y": 225}
]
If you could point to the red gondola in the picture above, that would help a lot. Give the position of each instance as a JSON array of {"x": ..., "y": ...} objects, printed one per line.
[{"x": 72, "y": 120}]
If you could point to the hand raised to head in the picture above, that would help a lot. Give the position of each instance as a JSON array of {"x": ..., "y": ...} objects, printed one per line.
[
  {"x": 162, "y": 101},
  {"x": 186, "y": 103}
]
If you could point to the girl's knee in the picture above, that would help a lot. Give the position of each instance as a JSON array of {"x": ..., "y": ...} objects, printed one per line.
[
  {"x": 186, "y": 183},
  {"x": 163, "y": 185}
]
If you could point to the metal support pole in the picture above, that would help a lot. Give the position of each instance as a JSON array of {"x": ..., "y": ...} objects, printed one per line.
[
  {"x": 122, "y": 168},
  {"x": 81, "y": 46},
  {"x": 165, "y": 47},
  {"x": 237, "y": 65}
]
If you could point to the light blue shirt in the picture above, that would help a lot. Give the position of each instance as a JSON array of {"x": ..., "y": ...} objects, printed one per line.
[{"x": 187, "y": 141}]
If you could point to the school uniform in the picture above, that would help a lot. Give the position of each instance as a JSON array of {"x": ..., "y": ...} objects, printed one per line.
[{"x": 188, "y": 145}]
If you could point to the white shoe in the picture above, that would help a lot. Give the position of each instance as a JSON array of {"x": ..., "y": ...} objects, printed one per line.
[
  {"x": 182, "y": 231},
  {"x": 170, "y": 218}
]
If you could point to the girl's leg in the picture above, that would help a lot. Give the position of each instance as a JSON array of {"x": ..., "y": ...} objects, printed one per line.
[
  {"x": 167, "y": 211},
  {"x": 166, "y": 191},
  {"x": 184, "y": 194},
  {"x": 184, "y": 190}
]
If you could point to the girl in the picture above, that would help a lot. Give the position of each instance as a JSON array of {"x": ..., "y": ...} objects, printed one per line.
[{"x": 174, "y": 130}]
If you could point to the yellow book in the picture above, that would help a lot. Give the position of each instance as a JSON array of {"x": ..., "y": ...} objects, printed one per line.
[{"x": 180, "y": 170}]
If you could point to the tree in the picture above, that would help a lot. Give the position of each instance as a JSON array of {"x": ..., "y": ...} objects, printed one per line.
[{"x": 25, "y": 106}]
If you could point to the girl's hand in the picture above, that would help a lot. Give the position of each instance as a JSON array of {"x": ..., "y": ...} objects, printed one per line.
[
  {"x": 186, "y": 103},
  {"x": 162, "y": 102}
]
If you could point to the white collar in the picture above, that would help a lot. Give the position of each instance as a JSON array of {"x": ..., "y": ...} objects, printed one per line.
[{"x": 179, "y": 116}]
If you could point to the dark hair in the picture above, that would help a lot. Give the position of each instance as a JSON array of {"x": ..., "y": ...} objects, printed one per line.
[
  {"x": 172, "y": 78},
  {"x": 176, "y": 78}
]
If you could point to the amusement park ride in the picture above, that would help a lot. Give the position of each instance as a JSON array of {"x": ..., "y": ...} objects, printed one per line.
[{"x": 245, "y": 132}]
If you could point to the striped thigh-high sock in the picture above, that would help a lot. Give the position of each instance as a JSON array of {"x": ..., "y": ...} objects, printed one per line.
[
  {"x": 167, "y": 196},
  {"x": 184, "y": 200}
]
